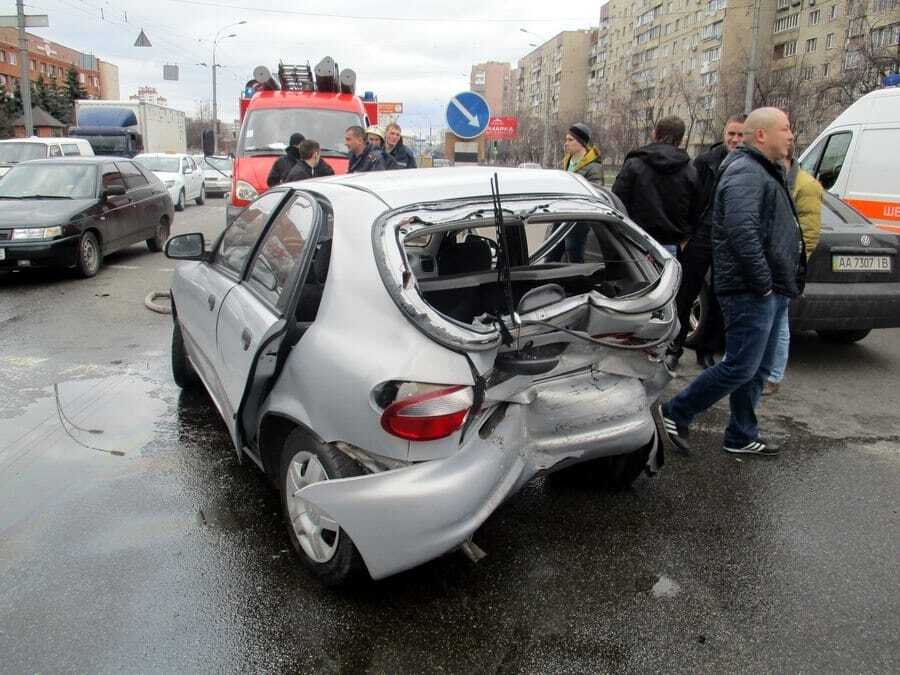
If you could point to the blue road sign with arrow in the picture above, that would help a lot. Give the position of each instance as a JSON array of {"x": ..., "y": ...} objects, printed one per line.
[{"x": 468, "y": 114}]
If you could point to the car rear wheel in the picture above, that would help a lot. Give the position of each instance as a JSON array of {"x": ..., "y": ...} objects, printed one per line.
[
  {"x": 202, "y": 196},
  {"x": 182, "y": 371},
  {"x": 844, "y": 337},
  {"x": 89, "y": 255},
  {"x": 323, "y": 547},
  {"x": 156, "y": 243},
  {"x": 180, "y": 205},
  {"x": 697, "y": 318},
  {"x": 620, "y": 471}
]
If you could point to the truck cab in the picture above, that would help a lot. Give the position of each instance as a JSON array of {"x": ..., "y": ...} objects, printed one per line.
[
  {"x": 321, "y": 107},
  {"x": 114, "y": 141}
]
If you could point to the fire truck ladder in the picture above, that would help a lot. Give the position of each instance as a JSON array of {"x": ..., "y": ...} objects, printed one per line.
[{"x": 296, "y": 78}]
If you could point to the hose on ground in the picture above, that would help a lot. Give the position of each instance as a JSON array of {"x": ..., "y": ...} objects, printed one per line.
[{"x": 157, "y": 307}]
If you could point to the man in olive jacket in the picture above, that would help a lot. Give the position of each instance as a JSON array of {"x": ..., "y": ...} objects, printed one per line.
[
  {"x": 808, "y": 194},
  {"x": 757, "y": 268},
  {"x": 583, "y": 158}
]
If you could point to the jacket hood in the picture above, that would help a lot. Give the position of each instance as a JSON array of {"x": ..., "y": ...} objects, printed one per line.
[
  {"x": 662, "y": 157},
  {"x": 592, "y": 155}
]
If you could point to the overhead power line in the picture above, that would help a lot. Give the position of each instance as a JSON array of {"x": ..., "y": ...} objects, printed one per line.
[{"x": 359, "y": 17}]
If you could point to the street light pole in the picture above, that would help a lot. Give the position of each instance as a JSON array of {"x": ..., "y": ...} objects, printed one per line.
[
  {"x": 24, "y": 70},
  {"x": 215, "y": 98}
]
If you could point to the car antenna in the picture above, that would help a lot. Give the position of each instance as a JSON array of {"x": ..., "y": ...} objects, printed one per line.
[{"x": 503, "y": 272}]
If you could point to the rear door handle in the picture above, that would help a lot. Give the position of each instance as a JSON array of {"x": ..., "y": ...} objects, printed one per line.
[
  {"x": 246, "y": 338},
  {"x": 211, "y": 301}
]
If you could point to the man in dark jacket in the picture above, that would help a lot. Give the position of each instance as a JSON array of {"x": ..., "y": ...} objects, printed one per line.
[
  {"x": 393, "y": 145},
  {"x": 696, "y": 257},
  {"x": 282, "y": 167},
  {"x": 757, "y": 269},
  {"x": 310, "y": 165},
  {"x": 363, "y": 156},
  {"x": 658, "y": 186}
]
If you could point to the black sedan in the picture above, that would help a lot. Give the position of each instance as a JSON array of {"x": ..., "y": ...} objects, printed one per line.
[
  {"x": 71, "y": 212},
  {"x": 852, "y": 280}
]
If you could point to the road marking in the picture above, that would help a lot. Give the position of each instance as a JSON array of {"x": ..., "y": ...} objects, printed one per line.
[
  {"x": 166, "y": 269},
  {"x": 124, "y": 267}
]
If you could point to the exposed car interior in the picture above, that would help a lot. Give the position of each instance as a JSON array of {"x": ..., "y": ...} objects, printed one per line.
[{"x": 459, "y": 270}]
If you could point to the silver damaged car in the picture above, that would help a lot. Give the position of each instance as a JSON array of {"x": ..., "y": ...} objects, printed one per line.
[{"x": 401, "y": 354}]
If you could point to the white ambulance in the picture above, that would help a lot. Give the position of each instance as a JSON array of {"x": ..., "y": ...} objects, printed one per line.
[{"x": 857, "y": 157}]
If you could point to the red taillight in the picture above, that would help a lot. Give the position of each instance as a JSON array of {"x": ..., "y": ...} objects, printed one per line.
[{"x": 428, "y": 416}]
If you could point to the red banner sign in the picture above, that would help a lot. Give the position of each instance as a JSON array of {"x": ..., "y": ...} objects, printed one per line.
[{"x": 502, "y": 129}]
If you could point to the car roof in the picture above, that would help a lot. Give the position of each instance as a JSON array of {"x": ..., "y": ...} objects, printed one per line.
[
  {"x": 39, "y": 140},
  {"x": 397, "y": 188},
  {"x": 179, "y": 155},
  {"x": 82, "y": 159}
]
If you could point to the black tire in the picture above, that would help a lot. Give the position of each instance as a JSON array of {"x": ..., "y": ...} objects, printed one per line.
[
  {"x": 89, "y": 255},
  {"x": 620, "y": 471},
  {"x": 345, "y": 565},
  {"x": 614, "y": 473},
  {"x": 843, "y": 337},
  {"x": 202, "y": 198},
  {"x": 180, "y": 205},
  {"x": 699, "y": 312},
  {"x": 156, "y": 243},
  {"x": 182, "y": 371}
]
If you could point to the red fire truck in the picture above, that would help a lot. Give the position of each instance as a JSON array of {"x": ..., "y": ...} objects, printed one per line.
[{"x": 320, "y": 103}]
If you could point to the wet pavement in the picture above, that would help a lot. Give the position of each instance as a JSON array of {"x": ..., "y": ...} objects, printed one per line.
[{"x": 131, "y": 539}]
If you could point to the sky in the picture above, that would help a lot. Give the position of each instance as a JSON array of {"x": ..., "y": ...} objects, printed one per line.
[{"x": 418, "y": 54}]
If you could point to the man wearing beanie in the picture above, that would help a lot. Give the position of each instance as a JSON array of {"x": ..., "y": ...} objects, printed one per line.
[
  {"x": 582, "y": 158},
  {"x": 282, "y": 167},
  {"x": 658, "y": 185}
]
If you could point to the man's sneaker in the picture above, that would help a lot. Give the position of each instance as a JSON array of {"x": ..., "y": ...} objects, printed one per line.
[
  {"x": 757, "y": 447},
  {"x": 677, "y": 434},
  {"x": 672, "y": 360}
]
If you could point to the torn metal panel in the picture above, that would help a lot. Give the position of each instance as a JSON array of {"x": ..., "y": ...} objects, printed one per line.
[{"x": 400, "y": 519}]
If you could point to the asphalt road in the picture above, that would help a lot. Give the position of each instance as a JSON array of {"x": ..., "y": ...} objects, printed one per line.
[{"x": 171, "y": 556}]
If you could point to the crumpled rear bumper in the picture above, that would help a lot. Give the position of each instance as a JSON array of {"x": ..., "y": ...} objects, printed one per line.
[{"x": 402, "y": 518}]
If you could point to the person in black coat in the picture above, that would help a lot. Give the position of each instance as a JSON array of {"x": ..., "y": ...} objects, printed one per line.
[
  {"x": 758, "y": 266},
  {"x": 393, "y": 146},
  {"x": 282, "y": 167},
  {"x": 658, "y": 186},
  {"x": 311, "y": 164},
  {"x": 364, "y": 157},
  {"x": 696, "y": 257}
]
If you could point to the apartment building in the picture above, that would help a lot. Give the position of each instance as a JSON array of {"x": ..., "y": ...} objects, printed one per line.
[
  {"x": 551, "y": 80},
  {"x": 492, "y": 81},
  {"x": 690, "y": 58},
  {"x": 52, "y": 61}
]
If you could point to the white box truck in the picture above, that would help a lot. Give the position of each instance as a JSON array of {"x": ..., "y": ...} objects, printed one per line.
[{"x": 128, "y": 128}]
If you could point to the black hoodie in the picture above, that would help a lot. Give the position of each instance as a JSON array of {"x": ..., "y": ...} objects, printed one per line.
[
  {"x": 282, "y": 166},
  {"x": 658, "y": 186}
]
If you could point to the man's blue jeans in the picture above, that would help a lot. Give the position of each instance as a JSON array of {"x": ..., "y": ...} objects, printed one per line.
[
  {"x": 751, "y": 337},
  {"x": 782, "y": 350}
]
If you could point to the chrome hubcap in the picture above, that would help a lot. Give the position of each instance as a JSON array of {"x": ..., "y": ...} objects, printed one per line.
[
  {"x": 88, "y": 254},
  {"x": 317, "y": 534}
]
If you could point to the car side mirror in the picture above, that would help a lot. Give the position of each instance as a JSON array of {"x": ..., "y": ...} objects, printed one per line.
[
  {"x": 186, "y": 247},
  {"x": 114, "y": 191}
]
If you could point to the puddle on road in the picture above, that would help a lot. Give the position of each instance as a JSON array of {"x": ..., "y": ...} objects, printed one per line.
[{"x": 72, "y": 430}]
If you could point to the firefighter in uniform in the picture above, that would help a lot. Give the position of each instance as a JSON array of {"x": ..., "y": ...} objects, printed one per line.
[{"x": 364, "y": 156}]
